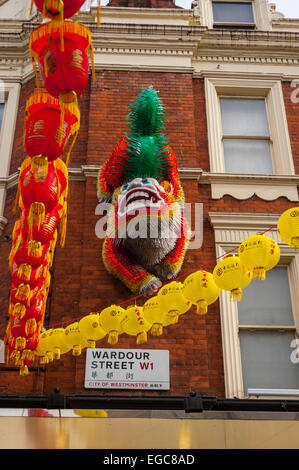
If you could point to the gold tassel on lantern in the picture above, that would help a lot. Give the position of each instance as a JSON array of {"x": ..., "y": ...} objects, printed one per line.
[
  {"x": 68, "y": 101},
  {"x": 24, "y": 272},
  {"x": 24, "y": 371},
  {"x": 236, "y": 295},
  {"x": 141, "y": 338},
  {"x": 19, "y": 310},
  {"x": 112, "y": 337},
  {"x": 99, "y": 13},
  {"x": 34, "y": 249},
  {"x": 36, "y": 216},
  {"x": 58, "y": 7},
  {"x": 23, "y": 293},
  {"x": 157, "y": 329},
  {"x": 39, "y": 167},
  {"x": 202, "y": 307},
  {"x": 30, "y": 326}
]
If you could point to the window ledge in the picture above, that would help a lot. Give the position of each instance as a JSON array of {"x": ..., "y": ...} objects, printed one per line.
[{"x": 240, "y": 186}]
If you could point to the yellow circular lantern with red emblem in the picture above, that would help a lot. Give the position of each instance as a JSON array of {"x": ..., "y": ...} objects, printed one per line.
[
  {"x": 231, "y": 275},
  {"x": 288, "y": 227},
  {"x": 74, "y": 339},
  {"x": 172, "y": 301},
  {"x": 135, "y": 324},
  {"x": 56, "y": 342},
  {"x": 91, "y": 330},
  {"x": 154, "y": 315},
  {"x": 200, "y": 288},
  {"x": 259, "y": 253},
  {"x": 111, "y": 322}
]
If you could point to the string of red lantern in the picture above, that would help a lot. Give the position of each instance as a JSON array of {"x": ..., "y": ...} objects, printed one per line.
[{"x": 59, "y": 50}]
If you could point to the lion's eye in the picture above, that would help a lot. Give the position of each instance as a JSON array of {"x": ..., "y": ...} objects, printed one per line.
[
  {"x": 145, "y": 181},
  {"x": 125, "y": 186}
]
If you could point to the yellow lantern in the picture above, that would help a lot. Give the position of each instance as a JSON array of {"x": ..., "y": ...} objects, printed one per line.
[
  {"x": 172, "y": 320},
  {"x": 172, "y": 301},
  {"x": 288, "y": 227},
  {"x": 134, "y": 324},
  {"x": 91, "y": 330},
  {"x": 154, "y": 315},
  {"x": 200, "y": 288},
  {"x": 259, "y": 253},
  {"x": 74, "y": 339},
  {"x": 110, "y": 321},
  {"x": 43, "y": 348},
  {"x": 56, "y": 342},
  {"x": 230, "y": 274}
]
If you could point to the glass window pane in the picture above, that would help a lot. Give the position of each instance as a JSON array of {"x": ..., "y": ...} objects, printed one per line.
[
  {"x": 267, "y": 302},
  {"x": 266, "y": 360},
  {"x": 241, "y": 116},
  {"x": 248, "y": 156},
  {"x": 229, "y": 12},
  {"x": 1, "y": 113}
]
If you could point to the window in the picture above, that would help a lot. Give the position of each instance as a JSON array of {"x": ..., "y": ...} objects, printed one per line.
[
  {"x": 258, "y": 333},
  {"x": 266, "y": 332},
  {"x": 9, "y": 99},
  {"x": 233, "y": 15},
  {"x": 248, "y": 136},
  {"x": 245, "y": 136}
]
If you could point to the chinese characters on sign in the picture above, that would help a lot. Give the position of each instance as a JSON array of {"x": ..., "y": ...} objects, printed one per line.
[{"x": 127, "y": 369}]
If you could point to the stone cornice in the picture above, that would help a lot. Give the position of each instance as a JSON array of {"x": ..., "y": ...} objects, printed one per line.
[
  {"x": 185, "y": 48},
  {"x": 186, "y": 173},
  {"x": 243, "y": 221}
]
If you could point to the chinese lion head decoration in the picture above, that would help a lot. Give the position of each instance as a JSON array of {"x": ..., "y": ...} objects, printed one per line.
[{"x": 147, "y": 234}]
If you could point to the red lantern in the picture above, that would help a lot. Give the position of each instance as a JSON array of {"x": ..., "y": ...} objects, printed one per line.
[
  {"x": 43, "y": 232},
  {"x": 21, "y": 293},
  {"x": 33, "y": 190},
  {"x": 45, "y": 134},
  {"x": 23, "y": 328},
  {"x": 65, "y": 69},
  {"x": 57, "y": 9},
  {"x": 35, "y": 311},
  {"x": 25, "y": 274},
  {"x": 31, "y": 252}
]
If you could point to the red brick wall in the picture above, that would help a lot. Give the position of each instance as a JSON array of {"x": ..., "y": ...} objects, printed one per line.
[{"x": 81, "y": 284}]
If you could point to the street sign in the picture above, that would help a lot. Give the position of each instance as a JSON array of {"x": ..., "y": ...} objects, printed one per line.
[{"x": 127, "y": 369}]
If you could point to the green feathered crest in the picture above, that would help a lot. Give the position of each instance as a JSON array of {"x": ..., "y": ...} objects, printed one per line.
[{"x": 146, "y": 152}]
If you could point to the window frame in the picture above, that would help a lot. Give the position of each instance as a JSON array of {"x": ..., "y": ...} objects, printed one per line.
[
  {"x": 247, "y": 137},
  {"x": 231, "y": 24},
  {"x": 283, "y": 164},
  {"x": 230, "y": 230},
  {"x": 261, "y": 14}
]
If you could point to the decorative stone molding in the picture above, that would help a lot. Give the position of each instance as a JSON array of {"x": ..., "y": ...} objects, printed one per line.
[{"x": 243, "y": 187}]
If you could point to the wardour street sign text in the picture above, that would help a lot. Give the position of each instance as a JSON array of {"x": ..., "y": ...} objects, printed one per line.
[{"x": 127, "y": 368}]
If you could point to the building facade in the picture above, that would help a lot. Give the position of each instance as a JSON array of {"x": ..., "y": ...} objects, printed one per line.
[{"x": 228, "y": 75}]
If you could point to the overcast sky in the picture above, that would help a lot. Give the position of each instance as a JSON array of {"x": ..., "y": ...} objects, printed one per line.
[{"x": 290, "y": 8}]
